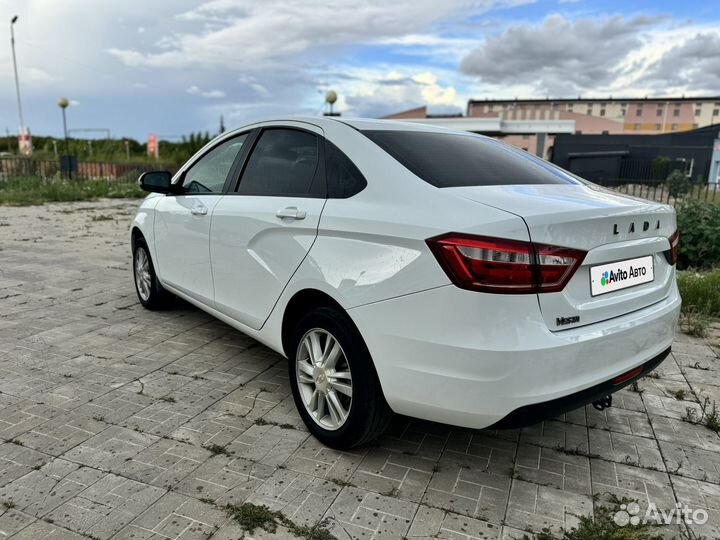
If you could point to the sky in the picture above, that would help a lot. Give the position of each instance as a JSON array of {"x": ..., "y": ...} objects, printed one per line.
[{"x": 172, "y": 67}]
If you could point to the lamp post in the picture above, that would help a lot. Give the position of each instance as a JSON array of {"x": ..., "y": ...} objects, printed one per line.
[
  {"x": 66, "y": 161},
  {"x": 23, "y": 132},
  {"x": 63, "y": 104}
]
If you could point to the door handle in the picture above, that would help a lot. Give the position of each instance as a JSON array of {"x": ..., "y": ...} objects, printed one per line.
[
  {"x": 291, "y": 212},
  {"x": 199, "y": 210}
]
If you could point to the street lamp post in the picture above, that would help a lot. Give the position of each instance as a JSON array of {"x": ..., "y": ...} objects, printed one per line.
[
  {"x": 23, "y": 132},
  {"x": 67, "y": 158},
  {"x": 63, "y": 104}
]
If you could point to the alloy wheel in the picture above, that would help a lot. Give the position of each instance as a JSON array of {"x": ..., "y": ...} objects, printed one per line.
[
  {"x": 143, "y": 278},
  {"x": 324, "y": 379}
]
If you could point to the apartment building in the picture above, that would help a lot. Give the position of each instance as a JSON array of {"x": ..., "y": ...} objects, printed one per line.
[{"x": 610, "y": 116}]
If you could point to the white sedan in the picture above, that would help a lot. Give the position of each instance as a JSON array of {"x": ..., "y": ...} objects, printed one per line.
[{"x": 403, "y": 268}]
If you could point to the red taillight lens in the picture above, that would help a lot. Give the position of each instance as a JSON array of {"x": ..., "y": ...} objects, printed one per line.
[
  {"x": 496, "y": 265},
  {"x": 672, "y": 254}
]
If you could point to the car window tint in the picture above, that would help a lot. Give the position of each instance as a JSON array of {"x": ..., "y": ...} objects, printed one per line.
[
  {"x": 343, "y": 177},
  {"x": 283, "y": 162},
  {"x": 454, "y": 160},
  {"x": 209, "y": 173}
]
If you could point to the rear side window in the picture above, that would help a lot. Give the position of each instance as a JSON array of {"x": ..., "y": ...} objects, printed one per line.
[
  {"x": 455, "y": 160},
  {"x": 284, "y": 162},
  {"x": 343, "y": 177}
]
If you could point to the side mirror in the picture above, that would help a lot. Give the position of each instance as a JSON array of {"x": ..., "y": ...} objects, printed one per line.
[{"x": 156, "y": 182}]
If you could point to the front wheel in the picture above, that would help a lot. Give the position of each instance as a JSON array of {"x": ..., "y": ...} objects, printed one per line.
[
  {"x": 334, "y": 383},
  {"x": 150, "y": 291}
]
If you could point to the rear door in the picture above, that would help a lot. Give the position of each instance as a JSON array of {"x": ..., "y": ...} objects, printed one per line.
[
  {"x": 182, "y": 221},
  {"x": 263, "y": 231}
]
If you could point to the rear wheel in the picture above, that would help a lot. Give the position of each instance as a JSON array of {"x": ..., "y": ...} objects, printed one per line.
[
  {"x": 333, "y": 379},
  {"x": 151, "y": 293}
]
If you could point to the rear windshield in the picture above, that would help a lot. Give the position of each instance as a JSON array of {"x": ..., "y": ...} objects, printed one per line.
[{"x": 456, "y": 160}]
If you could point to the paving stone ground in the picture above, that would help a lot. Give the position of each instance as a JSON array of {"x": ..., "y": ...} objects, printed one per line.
[{"x": 108, "y": 413}]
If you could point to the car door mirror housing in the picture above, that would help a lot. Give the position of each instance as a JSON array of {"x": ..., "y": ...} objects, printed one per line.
[{"x": 156, "y": 182}]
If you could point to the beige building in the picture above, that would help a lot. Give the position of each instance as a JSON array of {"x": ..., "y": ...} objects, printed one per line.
[{"x": 624, "y": 115}]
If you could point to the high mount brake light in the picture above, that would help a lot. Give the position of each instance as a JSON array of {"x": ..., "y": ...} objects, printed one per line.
[
  {"x": 496, "y": 265},
  {"x": 672, "y": 254}
]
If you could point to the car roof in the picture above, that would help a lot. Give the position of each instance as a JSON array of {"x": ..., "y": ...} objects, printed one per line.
[{"x": 358, "y": 123}]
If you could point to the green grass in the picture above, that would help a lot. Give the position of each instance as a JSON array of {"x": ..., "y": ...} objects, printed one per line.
[
  {"x": 700, "y": 292},
  {"x": 252, "y": 516},
  {"x": 31, "y": 191}
]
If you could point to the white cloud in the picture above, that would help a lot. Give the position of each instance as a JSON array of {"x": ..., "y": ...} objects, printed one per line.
[
  {"x": 564, "y": 57},
  {"x": 257, "y": 35},
  {"x": 379, "y": 92},
  {"x": 212, "y": 94}
]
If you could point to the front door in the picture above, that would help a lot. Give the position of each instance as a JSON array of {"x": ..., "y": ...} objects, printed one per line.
[
  {"x": 182, "y": 222},
  {"x": 262, "y": 233}
]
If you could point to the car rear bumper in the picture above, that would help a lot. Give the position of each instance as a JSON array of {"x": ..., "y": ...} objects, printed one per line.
[
  {"x": 532, "y": 414},
  {"x": 471, "y": 359}
]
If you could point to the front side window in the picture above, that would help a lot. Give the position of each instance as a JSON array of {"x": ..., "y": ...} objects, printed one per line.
[
  {"x": 284, "y": 162},
  {"x": 209, "y": 173},
  {"x": 456, "y": 160}
]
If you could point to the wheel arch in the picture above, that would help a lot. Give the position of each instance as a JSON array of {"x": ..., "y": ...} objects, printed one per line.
[
  {"x": 303, "y": 302},
  {"x": 135, "y": 233}
]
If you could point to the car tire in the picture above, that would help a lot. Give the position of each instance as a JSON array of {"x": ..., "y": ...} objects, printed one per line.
[
  {"x": 150, "y": 292},
  {"x": 368, "y": 414}
]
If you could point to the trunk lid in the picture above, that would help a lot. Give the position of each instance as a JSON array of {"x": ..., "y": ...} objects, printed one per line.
[{"x": 610, "y": 227}]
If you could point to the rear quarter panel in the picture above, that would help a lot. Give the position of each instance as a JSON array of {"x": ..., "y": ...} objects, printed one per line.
[{"x": 372, "y": 246}]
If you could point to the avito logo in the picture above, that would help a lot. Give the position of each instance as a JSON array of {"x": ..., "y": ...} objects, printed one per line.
[{"x": 609, "y": 277}]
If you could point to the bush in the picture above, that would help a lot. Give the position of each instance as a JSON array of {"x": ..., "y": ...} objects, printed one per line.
[
  {"x": 659, "y": 167},
  {"x": 699, "y": 226},
  {"x": 678, "y": 184},
  {"x": 700, "y": 292}
]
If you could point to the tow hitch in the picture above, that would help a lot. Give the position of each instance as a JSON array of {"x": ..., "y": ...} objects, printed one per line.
[{"x": 603, "y": 403}]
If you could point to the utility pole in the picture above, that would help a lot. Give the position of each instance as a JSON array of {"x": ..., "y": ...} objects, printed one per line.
[{"x": 23, "y": 135}]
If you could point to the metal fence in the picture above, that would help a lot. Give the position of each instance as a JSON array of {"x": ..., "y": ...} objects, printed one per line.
[
  {"x": 14, "y": 167},
  {"x": 658, "y": 190}
]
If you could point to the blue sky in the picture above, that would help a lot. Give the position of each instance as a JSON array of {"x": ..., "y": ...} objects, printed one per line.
[{"x": 174, "y": 66}]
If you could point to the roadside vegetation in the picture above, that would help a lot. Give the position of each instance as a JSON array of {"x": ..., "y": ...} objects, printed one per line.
[
  {"x": 29, "y": 191},
  {"x": 698, "y": 223},
  {"x": 114, "y": 150},
  {"x": 700, "y": 292},
  {"x": 699, "y": 264}
]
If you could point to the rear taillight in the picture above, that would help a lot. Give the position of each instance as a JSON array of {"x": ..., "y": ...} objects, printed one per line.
[
  {"x": 496, "y": 265},
  {"x": 672, "y": 254}
]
